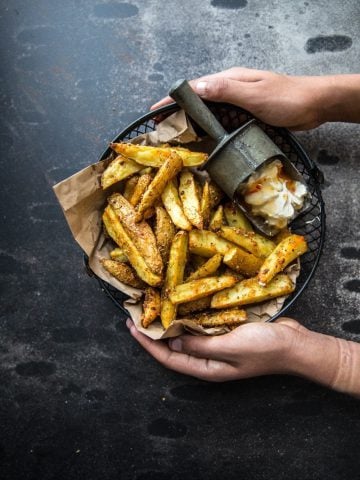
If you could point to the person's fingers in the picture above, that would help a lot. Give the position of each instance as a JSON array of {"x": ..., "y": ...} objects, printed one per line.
[
  {"x": 215, "y": 348},
  {"x": 161, "y": 103},
  {"x": 201, "y": 368}
]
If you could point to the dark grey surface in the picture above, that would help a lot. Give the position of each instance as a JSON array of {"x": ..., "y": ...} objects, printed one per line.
[{"x": 78, "y": 398}]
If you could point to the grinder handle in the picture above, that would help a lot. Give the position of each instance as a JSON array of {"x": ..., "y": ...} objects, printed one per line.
[{"x": 189, "y": 101}]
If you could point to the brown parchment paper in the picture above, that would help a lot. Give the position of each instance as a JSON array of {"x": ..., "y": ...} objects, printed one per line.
[{"x": 83, "y": 201}]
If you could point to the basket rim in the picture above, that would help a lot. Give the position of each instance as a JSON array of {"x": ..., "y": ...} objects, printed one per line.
[{"x": 312, "y": 168}]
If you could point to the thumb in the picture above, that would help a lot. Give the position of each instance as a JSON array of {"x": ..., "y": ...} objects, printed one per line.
[
  {"x": 200, "y": 346},
  {"x": 290, "y": 322},
  {"x": 224, "y": 90}
]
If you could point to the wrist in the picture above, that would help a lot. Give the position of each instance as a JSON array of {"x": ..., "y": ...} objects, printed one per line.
[{"x": 330, "y": 361}]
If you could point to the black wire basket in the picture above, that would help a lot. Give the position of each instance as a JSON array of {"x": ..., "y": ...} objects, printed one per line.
[{"x": 311, "y": 223}]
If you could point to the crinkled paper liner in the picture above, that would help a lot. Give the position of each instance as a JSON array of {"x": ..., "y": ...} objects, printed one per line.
[{"x": 83, "y": 201}]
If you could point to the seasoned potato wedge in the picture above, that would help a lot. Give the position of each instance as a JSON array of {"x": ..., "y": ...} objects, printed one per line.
[
  {"x": 208, "y": 244},
  {"x": 164, "y": 232},
  {"x": 123, "y": 272},
  {"x": 171, "y": 166},
  {"x": 189, "y": 291},
  {"x": 174, "y": 276},
  {"x": 231, "y": 317},
  {"x": 120, "y": 168},
  {"x": 242, "y": 262},
  {"x": 119, "y": 235},
  {"x": 140, "y": 233},
  {"x": 151, "y": 306},
  {"x": 130, "y": 186},
  {"x": 285, "y": 252},
  {"x": 188, "y": 192},
  {"x": 195, "y": 306},
  {"x": 207, "y": 269},
  {"x": 118, "y": 255},
  {"x": 140, "y": 188},
  {"x": 154, "y": 156},
  {"x": 215, "y": 194},
  {"x": 235, "y": 217},
  {"x": 249, "y": 291},
  {"x": 173, "y": 206},
  {"x": 252, "y": 242},
  {"x": 205, "y": 204},
  {"x": 217, "y": 219}
]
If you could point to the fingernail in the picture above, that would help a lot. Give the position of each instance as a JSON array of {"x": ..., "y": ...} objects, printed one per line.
[
  {"x": 176, "y": 345},
  {"x": 201, "y": 87},
  {"x": 128, "y": 322}
]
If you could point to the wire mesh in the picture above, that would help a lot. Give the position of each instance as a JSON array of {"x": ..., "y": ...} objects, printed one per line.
[{"x": 311, "y": 223}]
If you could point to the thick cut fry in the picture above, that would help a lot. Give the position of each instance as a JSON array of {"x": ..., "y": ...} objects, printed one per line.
[
  {"x": 164, "y": 232},
  {"x": 205, "y": 204},
  {"x": 140, "y": 188},
  {"x": 119, "y": 235},
  {"x": 171, "y": 166},
  {"x": 215, "y": 193},
  {"x": 189, "y": 291},
  {"x": 189, "y": 197},
  {"x": 242, "y": 262},
  {"x": 151, "y": 306},
  {"x": 174, "y": 276},
  {"x": 231, "y": 317},
  {"x": 235, "y": 217},
  {"x": 252, "y": 242},
  {"x": 195, "y": 306},
  {"x": 217, "y": 219},
  {"x": 130, "y": 186},
  {"x": 140, "y": 233},
  {"x": 172, "y": 203},
  {"x": 119, "y": 169},
  {"x": 285, "y": 252},
  {"x": 123, "y": 272},
  {"x": 118, "y": 255},
  {"x": 249, "y": 291},
  {"x": 207, "y": 269},
  {"x": 208, "y": 244},
  {"x": 154, "y": 156}
]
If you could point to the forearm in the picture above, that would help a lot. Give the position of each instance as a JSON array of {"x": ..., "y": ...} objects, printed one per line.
[
  {"x": 338, "y": 98},
  {"x": 330, "y": 361}
]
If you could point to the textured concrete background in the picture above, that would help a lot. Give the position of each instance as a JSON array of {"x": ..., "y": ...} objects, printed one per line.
[{"x": 78, "y": 399}]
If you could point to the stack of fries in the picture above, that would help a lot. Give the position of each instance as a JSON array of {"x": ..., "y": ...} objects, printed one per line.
[{"x": 190, "y": 249}]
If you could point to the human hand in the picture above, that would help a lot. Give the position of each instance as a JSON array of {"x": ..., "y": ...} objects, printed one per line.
[
  {"x": 251, "y": 350},
  {"x": 280, "y": 100}
]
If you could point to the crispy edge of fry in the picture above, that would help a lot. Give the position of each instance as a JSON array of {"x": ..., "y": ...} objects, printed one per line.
[
  {"x": 230, "y": 317},
  {"x": 174, "y": 275},
  {"x": 173, "y": 206},
  {"x": 188, "y": 192},
  {"x": 118, "y": 255},
  {"x": 249, "y": 291},
  {"x": 215, "y": 193},
  {"x": 122, "y": 272},
  {"x": 151, "y": 156},
  {"x": 119, "y": 169},
  {"x": 205, "y": 204},
  {"x": 129, "y": 187},
  {"x": 171, "y": 166},
  {"x": 119, "y": 235},
  {"x": 140, "y": 233},
  {"x": 207, "y": 244},
  {"x": 252, "y": 242},
  {"x": 164, "y": 232},
  {"x": 207, "y": 269},
  {"x": 140, "y": 188},
  {"x": 189, "y": 291},
  {"x": 235, "y": 217},
  {"x": 194, "y": 306},
  {"x": 151, "y": 306},
  {"x": 217, "y": 219},
  {"x": 285, "y": 252},
  {"x": 242, "y": 262}
]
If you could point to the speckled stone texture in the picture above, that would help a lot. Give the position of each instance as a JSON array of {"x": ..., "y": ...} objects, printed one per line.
[{"x": 78, "y": 398}]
